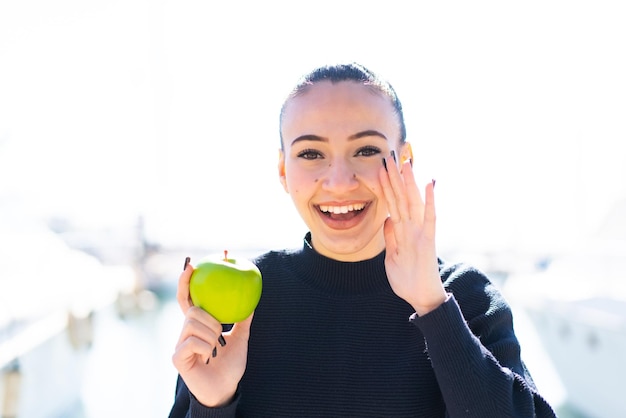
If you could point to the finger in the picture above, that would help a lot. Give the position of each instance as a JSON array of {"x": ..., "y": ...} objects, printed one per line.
[
  {"x": 190, "y": 351},
  {"x": 200, "y": 324},
  {"x": 414, "y": 198},
  {"x": 430, "y": 216},
  {"x": 390, "y": 237},
  {"x": 182, "y": 291},
  {"x": 241, "y": 330},
  {"x": 398, "y": 187},
  {"x": 388, "y": 193}
]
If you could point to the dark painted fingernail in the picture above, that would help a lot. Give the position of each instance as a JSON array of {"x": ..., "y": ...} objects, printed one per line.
[
  {"x": 385, "y": 164},
  {"x": 411, "y": 162},
  {"x": 393, "y": 155},
  {"x": 221, "y": 340},
  {"x": 187, "y": 260},
  {"x": 214, "y": 353},
  {"x": 434, "y": 181}
]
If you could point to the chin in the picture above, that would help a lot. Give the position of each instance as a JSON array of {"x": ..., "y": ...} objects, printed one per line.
[{"x": 350, "y": 248}]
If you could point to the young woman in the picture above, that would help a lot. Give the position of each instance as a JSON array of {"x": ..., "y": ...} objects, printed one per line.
[{"x": 363, "y": 320}]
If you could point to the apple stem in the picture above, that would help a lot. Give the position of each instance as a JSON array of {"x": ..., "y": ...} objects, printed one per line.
[{"x": 225, "y": 255}]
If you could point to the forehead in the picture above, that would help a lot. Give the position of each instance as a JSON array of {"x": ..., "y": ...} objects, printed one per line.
[{"x": 326, "y": 107}]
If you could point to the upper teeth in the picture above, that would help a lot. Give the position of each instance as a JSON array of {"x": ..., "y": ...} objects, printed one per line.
[{"x": 342, "y": 209}]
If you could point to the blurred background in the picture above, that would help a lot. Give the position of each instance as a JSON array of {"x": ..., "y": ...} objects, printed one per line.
[{"x": 134, "y": 133}]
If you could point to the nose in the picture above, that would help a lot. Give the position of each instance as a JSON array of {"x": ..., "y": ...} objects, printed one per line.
[{"x": 340, "y": 177}]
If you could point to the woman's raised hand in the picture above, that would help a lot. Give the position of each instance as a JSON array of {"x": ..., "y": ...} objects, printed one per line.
[
  {"x": 211, "y": 364},
  {"x": 411, "y": 258}
]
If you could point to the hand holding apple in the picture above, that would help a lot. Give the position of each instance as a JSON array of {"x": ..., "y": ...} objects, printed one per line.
[
  {"x": 213, "y": 383},
  {"x": 229, "y": 289}
]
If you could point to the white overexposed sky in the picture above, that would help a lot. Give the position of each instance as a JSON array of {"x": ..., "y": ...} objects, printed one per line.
[{"x": 169, "y": 109}]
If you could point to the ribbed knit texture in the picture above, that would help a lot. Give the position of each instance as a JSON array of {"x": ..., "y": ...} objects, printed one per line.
[{"x": 331, "y": 339}]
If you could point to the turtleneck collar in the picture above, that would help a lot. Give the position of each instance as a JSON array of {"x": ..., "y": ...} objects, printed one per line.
[{"x": 340, "y": 277}]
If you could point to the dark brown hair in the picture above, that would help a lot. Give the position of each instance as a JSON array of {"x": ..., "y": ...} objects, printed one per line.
[{"x": 347, "y": 72}]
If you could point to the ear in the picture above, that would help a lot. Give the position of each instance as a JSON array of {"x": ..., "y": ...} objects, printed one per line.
[
  {"x": 406, "y": 153},
  {"x": 281, "y": 169}
]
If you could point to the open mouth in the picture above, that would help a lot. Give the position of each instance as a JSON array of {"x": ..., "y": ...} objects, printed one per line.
[{"x": 342, "y": 213}]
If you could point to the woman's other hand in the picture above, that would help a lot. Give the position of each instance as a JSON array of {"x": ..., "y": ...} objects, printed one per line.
[{"x": 411, "y": 258}]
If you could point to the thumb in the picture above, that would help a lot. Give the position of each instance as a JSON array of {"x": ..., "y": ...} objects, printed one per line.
[{"x": 241, "y": 330}]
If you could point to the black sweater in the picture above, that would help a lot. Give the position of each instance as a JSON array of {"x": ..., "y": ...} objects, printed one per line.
[{"x": 331, "y": 339}]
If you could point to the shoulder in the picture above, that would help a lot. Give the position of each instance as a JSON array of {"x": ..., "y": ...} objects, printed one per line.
[
  {"x": 475, "y": 293},
  {"x": 270, "y": 258},
  {"x": 462, "y": 276},
  {"x": 275, "y": 260}
]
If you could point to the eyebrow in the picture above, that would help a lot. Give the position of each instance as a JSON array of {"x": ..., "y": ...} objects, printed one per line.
[{"x": 362, "y": 134}]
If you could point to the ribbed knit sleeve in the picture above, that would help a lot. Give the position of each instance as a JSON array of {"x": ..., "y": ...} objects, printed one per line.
[
  {"x": 187, "y": 406},
  {"x": 475, "y": 354},
  {"x": 197, "y": 410}
]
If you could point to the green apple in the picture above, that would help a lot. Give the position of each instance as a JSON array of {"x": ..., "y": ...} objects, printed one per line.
[{"x": 229, "y": 289}]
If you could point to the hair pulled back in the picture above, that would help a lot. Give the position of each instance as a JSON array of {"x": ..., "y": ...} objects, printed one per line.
[{"x": 347, "y": 72}]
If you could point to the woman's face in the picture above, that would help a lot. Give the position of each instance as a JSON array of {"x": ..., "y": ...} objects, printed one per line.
[{"x": 334, "y": 139}]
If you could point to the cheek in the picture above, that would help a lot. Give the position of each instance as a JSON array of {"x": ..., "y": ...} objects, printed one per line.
[
  {"x": 368, "y": 172},
  {"x": 299, "y": 181}
]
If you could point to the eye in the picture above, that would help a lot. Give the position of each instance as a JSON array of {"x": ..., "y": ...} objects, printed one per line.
[
  {"x": 367, "y": 151},
  {"x": 310, "y": 154}
]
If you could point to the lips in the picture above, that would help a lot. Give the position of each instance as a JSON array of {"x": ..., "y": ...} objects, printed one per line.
[{"x": 342, "y": 216}]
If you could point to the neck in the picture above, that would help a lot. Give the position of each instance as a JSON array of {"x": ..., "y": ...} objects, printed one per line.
[
  {"x": 337, "y": 276},
  {"x": 350, "y": 253}
]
